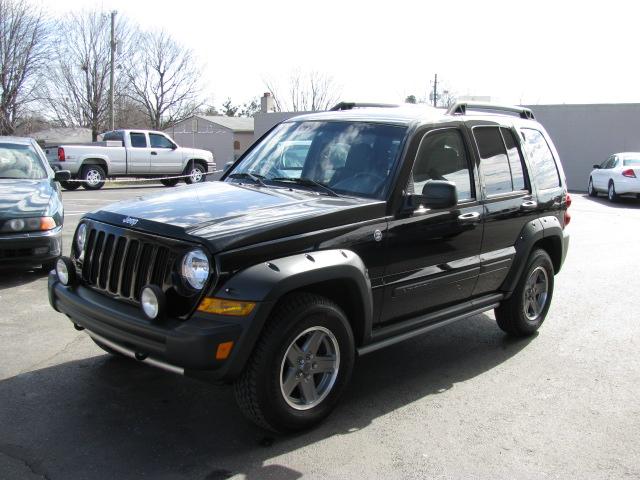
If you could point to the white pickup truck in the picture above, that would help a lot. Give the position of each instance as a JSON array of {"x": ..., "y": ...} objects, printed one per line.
[{"x": 130, "y": 153}]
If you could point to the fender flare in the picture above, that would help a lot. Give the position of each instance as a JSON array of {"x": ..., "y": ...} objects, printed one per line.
[{"x": 103, "y": 161}]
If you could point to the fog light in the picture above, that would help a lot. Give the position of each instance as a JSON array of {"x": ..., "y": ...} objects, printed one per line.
[
  {"x": 65, "y": 271},
  {"x": 153, "y": 302}
]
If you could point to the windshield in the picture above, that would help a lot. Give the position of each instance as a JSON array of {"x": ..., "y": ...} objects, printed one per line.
[
  {"x": 352, "y": 158},
  {"x": 20, "y": 161},
  {"x": 632, "y": 162}
]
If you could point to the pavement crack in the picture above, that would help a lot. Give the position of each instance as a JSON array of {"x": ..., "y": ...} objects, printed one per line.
[
  {"x": 19, "y": 453},
  {"x": 79, "y": 337}
]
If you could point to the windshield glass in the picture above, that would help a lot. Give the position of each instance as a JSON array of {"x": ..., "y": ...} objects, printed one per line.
[
  {"x": 352, "y": 158},
  {"x": 20, "y": 161},
  {"x": 632, "y": 162}
]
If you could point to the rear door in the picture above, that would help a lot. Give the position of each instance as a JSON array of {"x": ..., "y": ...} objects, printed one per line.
[
  {"x": 139, "y": 153},
  {"x": 165, "y": 157},
  {"x": 433, "y": 254},
  {"x": 508, "y": 203}
]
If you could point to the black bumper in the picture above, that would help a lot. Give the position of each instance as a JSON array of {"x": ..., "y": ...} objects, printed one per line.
[
  {"x": 30, "y": 249},
  {"x": 190, "y": 345}
]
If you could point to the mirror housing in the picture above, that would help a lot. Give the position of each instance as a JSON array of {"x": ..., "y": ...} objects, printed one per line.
[
  {"x": 435, "y": 194},
  {"x": 62, "y": 175},
  {"x": 596, "y": 166}
]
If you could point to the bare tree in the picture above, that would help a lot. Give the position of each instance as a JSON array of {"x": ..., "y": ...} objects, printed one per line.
[
  {"x": 310, "y": 91},
  {"x": 78, "y": 87},
  {"x": 164, "y": 79},
  {"x": 23, "y": 52}
]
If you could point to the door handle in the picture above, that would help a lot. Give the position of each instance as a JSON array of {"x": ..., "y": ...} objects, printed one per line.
[
  {"x": 528, "y": 205},
  {"x": 469, "y": 217},
  {"x": 154, "y": 153}
]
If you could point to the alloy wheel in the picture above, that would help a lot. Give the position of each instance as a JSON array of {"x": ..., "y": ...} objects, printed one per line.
[{"x": 535, "y": 293}]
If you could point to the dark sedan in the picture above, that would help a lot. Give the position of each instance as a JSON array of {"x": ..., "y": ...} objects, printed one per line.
[{"x": 31, "y": 211}]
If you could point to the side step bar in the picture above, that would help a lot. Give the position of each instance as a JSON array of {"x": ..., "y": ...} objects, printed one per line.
[
  {"x": 477, "y": 306},
  {"x": 140, "y": 357}
]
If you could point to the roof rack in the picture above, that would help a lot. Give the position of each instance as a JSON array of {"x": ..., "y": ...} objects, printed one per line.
[
  {"x": 460, "y": 108},
  {"x": 352, "y": 105}
]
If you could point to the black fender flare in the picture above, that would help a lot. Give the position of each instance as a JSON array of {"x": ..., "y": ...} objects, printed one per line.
[
  {"x": 534, "y": 231},
  {"x": 269, "y": 281}
]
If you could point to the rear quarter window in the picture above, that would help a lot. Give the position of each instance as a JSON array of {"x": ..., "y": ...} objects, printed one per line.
[{"x": 543, "y": 164}]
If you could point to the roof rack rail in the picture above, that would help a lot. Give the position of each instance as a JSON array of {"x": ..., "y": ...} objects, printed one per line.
[
  {"x": 352, "y": 105},
  {"x": 460, "y": 108}
]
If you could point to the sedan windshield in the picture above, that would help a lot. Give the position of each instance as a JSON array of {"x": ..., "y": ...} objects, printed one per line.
[
  {"x": 351, "y": 158},
  {"x": 20, "y": 161}
]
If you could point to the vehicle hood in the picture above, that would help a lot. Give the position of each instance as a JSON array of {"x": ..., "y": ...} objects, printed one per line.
[
  {"x": 196, "y": 152},
  {"x": 228, "y": 215},
  {"x": 24, "y": 197}
]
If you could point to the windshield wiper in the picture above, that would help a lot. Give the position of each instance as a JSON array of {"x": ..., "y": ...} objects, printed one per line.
[
  {"x": 306, "y": 182},
  {"x": 252, "y": 176}
]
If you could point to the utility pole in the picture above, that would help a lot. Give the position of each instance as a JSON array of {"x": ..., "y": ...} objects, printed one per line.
[
  {"x": 112, "y": 122},
  {"x": 435, "y": 91}
]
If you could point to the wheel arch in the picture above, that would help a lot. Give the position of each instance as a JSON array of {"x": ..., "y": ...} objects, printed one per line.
[{"x": 95, "y": 161}]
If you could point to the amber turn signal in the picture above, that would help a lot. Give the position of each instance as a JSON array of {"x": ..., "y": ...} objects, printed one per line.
[
  {"x": 223, "y": 351},
  {"x": 221, "y": 306}
]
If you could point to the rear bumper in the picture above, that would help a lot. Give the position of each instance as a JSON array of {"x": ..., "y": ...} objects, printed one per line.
[
  {"x": 627, "y": 185},
  {"x": 30, "y": 249},
  {"x": 188, "y": 347}
]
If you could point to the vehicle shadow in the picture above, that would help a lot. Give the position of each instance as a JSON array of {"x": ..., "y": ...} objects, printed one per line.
[
  {"x": 15, "y": 277},
  {"x": 104, "y": 417},
  {"x": 623, "y": 202}
]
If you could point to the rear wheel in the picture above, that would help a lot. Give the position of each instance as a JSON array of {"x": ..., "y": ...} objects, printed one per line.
[
  {"x": 591, "y": 189},
  {"x": 611, "y": 192},
  {"x": 70, "y": 185},
  {"x": 523, "y": 313},
  {"x": 300, "y": 366},
  {"x": 93, "y": 176},
  {"x": 170, "y": 182},
  {"x": 197, "y": 173}
]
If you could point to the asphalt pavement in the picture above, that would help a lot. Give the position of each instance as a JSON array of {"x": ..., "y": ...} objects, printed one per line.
[{"x": 464, "y": 401}]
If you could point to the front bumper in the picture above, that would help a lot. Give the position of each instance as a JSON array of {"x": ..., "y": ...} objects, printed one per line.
[
  {"x": 30, "y": 249},
  {"x": 187, "y": 347}
]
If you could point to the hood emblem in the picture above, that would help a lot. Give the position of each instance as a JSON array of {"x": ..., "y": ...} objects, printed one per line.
[
  {"x": 377, "y": 235},
  {"x": 130, "y": 220}
]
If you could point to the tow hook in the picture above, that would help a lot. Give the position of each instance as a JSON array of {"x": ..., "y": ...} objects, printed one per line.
[
  {"x": 78, "y": 327},
  {"x": 141, "y": 357}
]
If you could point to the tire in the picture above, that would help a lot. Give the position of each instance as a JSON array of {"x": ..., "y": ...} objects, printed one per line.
[
  {"x": 107, "y": 349},
  {"x": 523, "y": 313},
  {"x": 611, "y": 192},
  {"x": 93, "y": 176},
  {"x": 591, "y": 189},
  {"x": 197, "y": 173},
  {"x": 260, "y": 390},
  {"x": 70, "y": 185},
  {"x": 170, "y": 182}
]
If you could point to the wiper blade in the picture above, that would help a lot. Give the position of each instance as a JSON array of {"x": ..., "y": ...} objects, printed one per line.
[
  {"x": 307, "y": 182},
  {"x": 252, "y": 176}
]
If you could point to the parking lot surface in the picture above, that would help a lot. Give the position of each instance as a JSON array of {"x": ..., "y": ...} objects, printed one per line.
[{"x": 462, "y": 402}]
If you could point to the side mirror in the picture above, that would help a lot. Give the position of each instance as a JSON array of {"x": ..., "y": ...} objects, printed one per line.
[
  {"x": 227, "y": 166},
  {"x": 62, "y": 175},
  {"x": 436, "y": 194},
  {"x": 173, "y": 146},
  {"x": 596, "y": 166}
]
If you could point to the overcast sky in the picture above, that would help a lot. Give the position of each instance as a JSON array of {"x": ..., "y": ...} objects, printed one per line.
[{"x": 517, "y": 52}]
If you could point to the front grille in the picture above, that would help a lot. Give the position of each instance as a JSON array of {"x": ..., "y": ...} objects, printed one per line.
[{"x": 120, "y": 262}]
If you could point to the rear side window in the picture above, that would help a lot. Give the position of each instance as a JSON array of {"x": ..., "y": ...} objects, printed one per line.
[
  {"x": 494, "y": 160},
  {"x": 515, "y": 159},
  {"x": 543, "y": 164},
  {"x": 138, "y": 140}
]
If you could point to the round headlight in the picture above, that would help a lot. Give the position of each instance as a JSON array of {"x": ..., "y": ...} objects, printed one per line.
[
  {"x": 65, "y": 271},
  {"x": 81, "y": 237},
  {"x": 150, "y": 302},
  {"x": 195, "y": 268},
  {"x": 16, "y": 224}
]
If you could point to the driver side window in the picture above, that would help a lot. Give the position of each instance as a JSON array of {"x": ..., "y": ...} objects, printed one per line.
[{"x": 442, "y": 156}]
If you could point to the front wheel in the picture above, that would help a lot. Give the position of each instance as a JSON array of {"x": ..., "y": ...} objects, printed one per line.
[
  {"x": 300, "y": 366},
  {"x": 591, "y": 190},
  {"x": 523, "y": 313},
  {"x": 93, "y": 176},
  {"x": 196, "y": 172}
]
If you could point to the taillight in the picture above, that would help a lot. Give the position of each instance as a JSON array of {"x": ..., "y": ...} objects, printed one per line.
[
  {"x": 629, "y": 173},
  {"x": 567, "y": 215},
  {"x": 61, "y": 157}
]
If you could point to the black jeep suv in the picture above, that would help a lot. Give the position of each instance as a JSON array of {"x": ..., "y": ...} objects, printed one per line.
[{"x": 336, "y": 234}]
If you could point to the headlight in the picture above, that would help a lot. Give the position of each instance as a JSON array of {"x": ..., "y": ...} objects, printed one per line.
[
  {"x": 35, "y": 224},
  {"x": 81, "y": 238},
  {"x": 195, "y": 268}
]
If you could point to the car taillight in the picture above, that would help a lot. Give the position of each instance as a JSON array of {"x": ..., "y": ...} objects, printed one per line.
[
  {"x": 629, "y": 173},
  {"x": 567, "y": 215},
  {"x": 61, "y": 157}
]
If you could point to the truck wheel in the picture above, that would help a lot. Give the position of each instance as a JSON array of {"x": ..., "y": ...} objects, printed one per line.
[
  {"x": 70, "y": 185},
  {"x": 300, "y": 366},
  {"x": 170, "y": 182},
  {"x": 196, "y": 173},
  {"x": 523, "y": 313},
  {"x": 93, "y": 176}
]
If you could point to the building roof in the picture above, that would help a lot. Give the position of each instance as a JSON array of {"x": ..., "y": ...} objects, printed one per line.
[{"x": 236, "y": 124}]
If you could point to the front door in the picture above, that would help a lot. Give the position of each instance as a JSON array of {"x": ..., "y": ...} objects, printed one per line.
[
  {"x": 433, "y": 254},
  {"x": 165, "y": 157}
]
